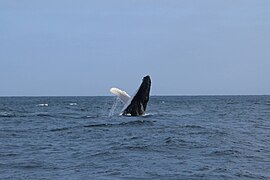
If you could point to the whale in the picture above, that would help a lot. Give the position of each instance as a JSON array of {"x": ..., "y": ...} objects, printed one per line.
[{"x": 135, "y": 105}]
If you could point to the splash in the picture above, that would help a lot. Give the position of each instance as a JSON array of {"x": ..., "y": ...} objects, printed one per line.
[{"x": 111, "y": 113}]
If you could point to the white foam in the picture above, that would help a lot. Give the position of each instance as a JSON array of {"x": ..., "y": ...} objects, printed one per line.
[
  {"x": 4, "y": 113},
  {"x": 147, "y": 114},
  {"x": 73, "y": 104},
  {"x": 42, "y": 105}
]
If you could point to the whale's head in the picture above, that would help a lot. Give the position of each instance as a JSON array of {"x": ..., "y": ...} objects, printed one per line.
[
  {"x": 144, "y": 89},
  {"x": 147, "y": 80}
]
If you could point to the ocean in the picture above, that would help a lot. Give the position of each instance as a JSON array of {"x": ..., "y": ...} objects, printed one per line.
[{"x": 180, "y": 137}]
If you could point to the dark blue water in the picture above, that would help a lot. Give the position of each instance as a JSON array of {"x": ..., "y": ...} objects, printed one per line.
[{"x": 205, "y": 137}]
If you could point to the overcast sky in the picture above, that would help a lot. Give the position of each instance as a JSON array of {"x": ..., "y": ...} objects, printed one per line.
[{"x": 85, "y": 47}]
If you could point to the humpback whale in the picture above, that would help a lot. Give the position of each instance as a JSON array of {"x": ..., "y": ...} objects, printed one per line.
[{"x": 136, "y": 105}]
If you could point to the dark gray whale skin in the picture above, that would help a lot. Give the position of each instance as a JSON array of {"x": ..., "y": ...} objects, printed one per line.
[{"x": 139, "y": 102}]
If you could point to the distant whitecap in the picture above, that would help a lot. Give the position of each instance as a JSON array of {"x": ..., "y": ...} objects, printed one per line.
[
  {"x": 42, "y": 105},
  {"x": 73, "y": 104}
]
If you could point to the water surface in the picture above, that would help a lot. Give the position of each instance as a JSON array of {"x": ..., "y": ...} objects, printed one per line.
[{"x": 204, "y": 137}]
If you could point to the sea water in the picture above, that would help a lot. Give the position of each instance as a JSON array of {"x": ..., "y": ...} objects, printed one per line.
[{"x": 181, "y": 137}]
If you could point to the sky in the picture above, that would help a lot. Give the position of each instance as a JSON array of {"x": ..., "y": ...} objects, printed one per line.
[{"x": 85, "y": 47}]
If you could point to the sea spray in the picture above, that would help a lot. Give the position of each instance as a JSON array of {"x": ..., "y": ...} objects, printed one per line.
[{"x": 117, "y": 100}]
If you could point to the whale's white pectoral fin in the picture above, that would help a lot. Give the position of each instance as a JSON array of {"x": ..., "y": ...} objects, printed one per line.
[{"x": 123, "y": 96}]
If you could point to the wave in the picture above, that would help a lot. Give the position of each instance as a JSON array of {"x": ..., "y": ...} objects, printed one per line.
[
  {"x": 98, "y": 125},
  {"x": 60, "y": 129},
  {"x": 8, "y": 154},
  {"x": 43, "y": 105},
  {"x": 228, "y": 152},
  {"x": 7, "y": 114},
  {"x": 194, "y": 126},
  {"x": 129, "y": 123},
  {"x": 250, "y": 175},
  {"x": 38, "y": 114},
  {"x": 43, "y": 114},
  {"x": 29, "y": 165},
  {"x": 73, "y": 104},
  {"x": 89, "y": 117},
  {"x": 146, "y": 115},
  {"x": 137, "y": 122}
]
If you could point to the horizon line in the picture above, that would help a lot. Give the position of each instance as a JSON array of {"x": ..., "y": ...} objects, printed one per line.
[{"x": 3, "y": 96}]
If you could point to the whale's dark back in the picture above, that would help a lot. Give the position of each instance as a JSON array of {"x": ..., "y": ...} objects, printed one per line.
[{"x": 139, "y": 102}]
